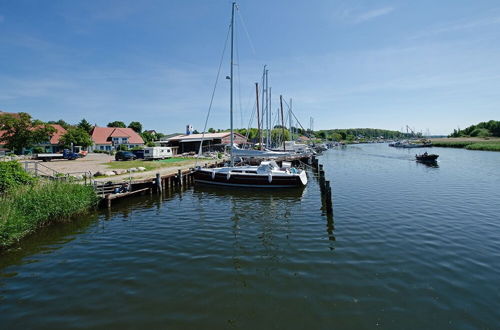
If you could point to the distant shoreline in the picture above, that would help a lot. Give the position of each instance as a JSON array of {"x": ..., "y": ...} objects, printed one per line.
[{"x": 469, "y": 143}]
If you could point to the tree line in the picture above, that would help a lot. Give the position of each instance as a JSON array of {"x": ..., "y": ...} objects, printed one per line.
[{"x": 483, "y": 129}]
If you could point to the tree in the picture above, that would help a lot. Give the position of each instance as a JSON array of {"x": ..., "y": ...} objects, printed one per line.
[
  {"x": 61, "y": 122},
  {"x": 148, "y": 137},
  {"x": 211, "y": 130},
  {"x": 136, "y": 126},
  {"x": 85, "y": 125},
  {"x": 21, "y": 131},
  {"x": 117, "y": 123},
  {"x": 196, "y": 132},
  {"x": 76, "y": 136}
]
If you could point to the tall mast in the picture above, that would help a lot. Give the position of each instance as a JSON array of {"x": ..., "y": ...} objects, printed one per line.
[
  {"x": 290, "y": 119},
  {"x": 258, "y": 116},
  {"x": 268, "y": 109},
  {"x": 231, "y": 82},
  {"x": 282, "y": 122}
]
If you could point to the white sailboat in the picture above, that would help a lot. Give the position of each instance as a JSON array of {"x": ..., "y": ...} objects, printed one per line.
[{"x": 267, "y": 175}]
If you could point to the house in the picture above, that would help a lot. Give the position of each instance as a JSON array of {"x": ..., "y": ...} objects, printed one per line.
[
  {"x": 211, "y": 141},
  {"x": 51, "y": 146},
  {"x": 109, "y": 138}
]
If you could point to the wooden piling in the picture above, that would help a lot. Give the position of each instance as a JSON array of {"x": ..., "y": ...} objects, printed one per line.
[
  {"x": 159, "y": 187},
  {"x": 179, "y": 178},
  {"x": 328, "y": 198}
]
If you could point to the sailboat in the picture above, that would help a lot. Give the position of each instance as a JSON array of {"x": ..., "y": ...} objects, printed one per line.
[{"x": 267, "y": 175}]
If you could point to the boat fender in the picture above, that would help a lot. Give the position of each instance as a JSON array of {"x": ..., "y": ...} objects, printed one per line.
[
  {"x": 228, "y": 176},
  {"x": 270, "y": 177},
  {"x": 213, "y": 175}
]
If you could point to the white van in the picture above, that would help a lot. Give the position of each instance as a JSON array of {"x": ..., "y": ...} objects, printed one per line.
[{"x": 157, "y": 153}]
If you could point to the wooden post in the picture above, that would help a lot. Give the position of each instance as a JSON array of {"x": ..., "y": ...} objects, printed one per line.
[
  {"x": 179, "y": 178},
  {"x": 158, "y": 183},
  {"x": 329, "y": 205}
]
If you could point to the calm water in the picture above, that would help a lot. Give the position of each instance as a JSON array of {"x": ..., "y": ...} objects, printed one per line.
[{"x": 410, "y": 247}]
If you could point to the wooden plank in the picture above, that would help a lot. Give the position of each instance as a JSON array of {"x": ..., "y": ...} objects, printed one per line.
[{"x": 130, "y": 193}]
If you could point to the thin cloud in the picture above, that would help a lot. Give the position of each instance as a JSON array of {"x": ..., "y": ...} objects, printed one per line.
[
  {"x": 460, "y": 26},
  {"x": 357, "y": 16},
  {"x": 2, "y": 19}
]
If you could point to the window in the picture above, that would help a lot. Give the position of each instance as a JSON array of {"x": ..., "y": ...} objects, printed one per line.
[{"x": 101, "y": 148}]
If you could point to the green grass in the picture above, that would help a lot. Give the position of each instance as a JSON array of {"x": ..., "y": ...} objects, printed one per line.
[
  {"x": 24, "y": 209},
  {"x": 152, "y": 164},
  {"x": 470, "y": 145}
]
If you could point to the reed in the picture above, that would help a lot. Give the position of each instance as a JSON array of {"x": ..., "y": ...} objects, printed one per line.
[
  {"x": 24, "y": 209},
  {"x": 469, "y": 145}
]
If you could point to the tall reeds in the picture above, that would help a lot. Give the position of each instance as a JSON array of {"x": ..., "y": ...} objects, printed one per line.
[{"x": 25, "y": 208}]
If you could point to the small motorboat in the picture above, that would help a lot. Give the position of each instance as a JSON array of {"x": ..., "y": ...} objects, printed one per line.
[{"x": 425, "y": 157}]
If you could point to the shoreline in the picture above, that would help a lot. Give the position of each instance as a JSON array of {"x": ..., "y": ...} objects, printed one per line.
[{"x": 473, "y": 143}]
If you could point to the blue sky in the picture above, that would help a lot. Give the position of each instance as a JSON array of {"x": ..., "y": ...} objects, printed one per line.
[{"x": 429, "y": 64}]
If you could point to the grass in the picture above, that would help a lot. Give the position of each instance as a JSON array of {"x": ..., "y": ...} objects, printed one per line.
[
  {"x": 24, "y": 209},
  {"x": 492, "y": 144},
  {"x": 152, "y": 164}
]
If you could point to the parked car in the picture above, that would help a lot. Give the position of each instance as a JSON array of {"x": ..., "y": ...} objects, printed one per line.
[
  {"x": 125, "y": 155},
  {"x": 138, "y": 153}
]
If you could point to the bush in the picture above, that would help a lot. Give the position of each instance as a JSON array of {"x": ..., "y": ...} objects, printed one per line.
[
  {"x": 23, "y": 209},
  {"x": 12, "y": 174},
  {"x": 38, "y": 150}
]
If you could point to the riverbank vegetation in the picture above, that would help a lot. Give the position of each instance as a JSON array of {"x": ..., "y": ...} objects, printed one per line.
[
  {"x": 484, "y": 129},
  {"x": 27, "y": 204},
  {"x": 485, "y": 144}
]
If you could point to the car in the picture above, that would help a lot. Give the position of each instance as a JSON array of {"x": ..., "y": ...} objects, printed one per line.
[{"x": 125, "y": 155}]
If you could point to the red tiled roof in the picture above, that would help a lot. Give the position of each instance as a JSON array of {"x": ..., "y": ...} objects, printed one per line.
[
  {"x": 102, "y": 135},
  {"x": 60, "y": 131}
]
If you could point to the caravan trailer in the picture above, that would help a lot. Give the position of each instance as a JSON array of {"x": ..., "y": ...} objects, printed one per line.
[{"x": 152, "y": 153}]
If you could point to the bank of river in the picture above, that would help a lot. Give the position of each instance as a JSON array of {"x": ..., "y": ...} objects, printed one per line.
[
  {"x": 490, "y": 144},
  {"x": 410, "y": 246}
]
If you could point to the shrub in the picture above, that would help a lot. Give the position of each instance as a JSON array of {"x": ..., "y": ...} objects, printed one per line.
[{"x": 12, "y": 174}]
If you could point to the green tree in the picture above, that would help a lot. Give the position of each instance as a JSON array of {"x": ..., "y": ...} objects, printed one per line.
[
  {"x": 196, "y": 132},
  {"x": 61, "y": 122},
  {"x": 136, "y": 126},
  {"x": 21, "y": 131},
  {"x": 76, "y": 136},
  {"x": 148, "y": 137},
  {"x": 211, "y": 130},
  {"x": 117, "y": 123},
  {"x": 85, "y": 125},
  {"x": 277, "y": 135}
]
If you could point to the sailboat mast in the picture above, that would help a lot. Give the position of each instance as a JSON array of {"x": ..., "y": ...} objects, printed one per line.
[
  {"x": 282, "y": 122},
  {"x": 258, "y": 115},
  {"x": 290, "y": 119},
  {"x": 268, "y": 109},
  {"x": 231, "y": 84}
]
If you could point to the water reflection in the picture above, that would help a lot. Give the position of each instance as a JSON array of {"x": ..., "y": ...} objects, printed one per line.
[{"x": 433, "y": 164}]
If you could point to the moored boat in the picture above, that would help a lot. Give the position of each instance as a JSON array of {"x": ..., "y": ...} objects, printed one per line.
[{"x": 267, "y": 175}]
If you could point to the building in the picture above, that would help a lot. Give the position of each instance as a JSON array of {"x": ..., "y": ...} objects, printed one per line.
[
  {"x": 211, "y": 141},
  {"x": 51, "y": 146},
  {"x": 109, "y": 138}
]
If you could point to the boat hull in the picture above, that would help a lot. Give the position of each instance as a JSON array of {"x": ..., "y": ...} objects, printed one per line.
[{"x": 242, "y": 180}]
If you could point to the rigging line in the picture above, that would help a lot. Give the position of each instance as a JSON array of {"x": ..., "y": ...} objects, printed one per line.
[
  {"x": 213, "y": 92},
  {"x": 246, "y": 32}
]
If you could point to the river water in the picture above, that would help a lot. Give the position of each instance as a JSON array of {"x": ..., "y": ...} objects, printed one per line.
[{"x": 409, "y": 247}]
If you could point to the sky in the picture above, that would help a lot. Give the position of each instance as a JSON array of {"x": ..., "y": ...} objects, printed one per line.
[{"x": 432, "y": 65}]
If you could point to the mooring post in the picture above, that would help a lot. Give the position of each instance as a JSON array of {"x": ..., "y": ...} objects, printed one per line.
[
  {"x": 158, "y": 183},
  {"x": 179, "y": 178},
  {"x": 329, "y": 206}
]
